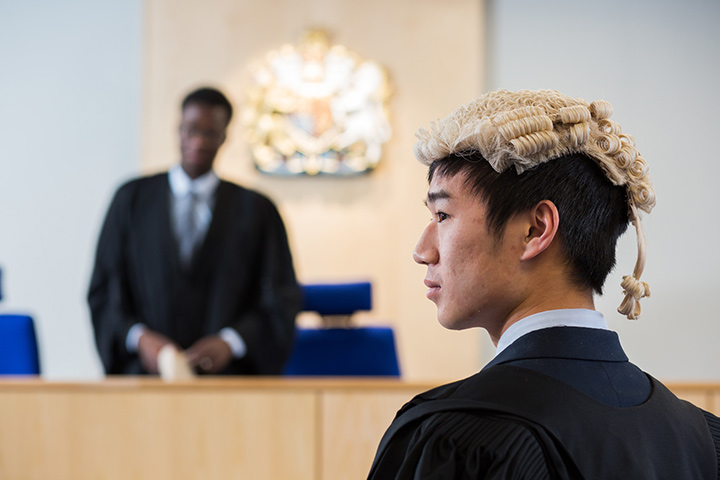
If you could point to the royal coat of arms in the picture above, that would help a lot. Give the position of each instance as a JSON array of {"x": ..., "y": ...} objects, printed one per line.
[{"x": 316, "y": 109}]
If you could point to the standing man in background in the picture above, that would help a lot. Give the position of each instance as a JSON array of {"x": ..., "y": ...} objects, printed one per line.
[
  {"x": 188, "y": 259},
  {"x": 529, "y": 192}
]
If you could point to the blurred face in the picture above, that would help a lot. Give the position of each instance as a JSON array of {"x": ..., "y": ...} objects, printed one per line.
[
  {"x": 202, "y": 132},
  {"x": 472, "y": 276}
]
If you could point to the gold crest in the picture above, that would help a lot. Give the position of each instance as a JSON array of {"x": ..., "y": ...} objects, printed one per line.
[{"x": 316, "y": 109}]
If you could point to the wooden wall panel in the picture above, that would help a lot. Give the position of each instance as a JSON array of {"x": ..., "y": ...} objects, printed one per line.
[
  {"x": 353, "y": 424},
  {"x": 157, "y": 435}
]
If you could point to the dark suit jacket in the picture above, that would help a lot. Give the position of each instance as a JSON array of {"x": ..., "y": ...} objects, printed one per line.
[
  {"x": 588, "y": 359},
  {"x": 241, "y": 277},
  {"x": 509, "y": 422}
]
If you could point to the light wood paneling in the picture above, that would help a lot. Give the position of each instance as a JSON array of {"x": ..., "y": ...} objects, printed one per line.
[
  {"x": 165, "y": 433},
  {"x": 353, "y": 424}
]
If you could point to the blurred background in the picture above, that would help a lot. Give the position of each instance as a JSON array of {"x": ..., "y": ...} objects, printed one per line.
[{"x": 90, "y": 93}]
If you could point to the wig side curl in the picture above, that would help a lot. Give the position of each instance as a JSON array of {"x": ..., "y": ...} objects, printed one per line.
[{"x": 525, "y": 128}]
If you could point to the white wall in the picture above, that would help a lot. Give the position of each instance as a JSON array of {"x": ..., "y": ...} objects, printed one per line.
[
  {"x": 657, "y": 61},
  {"x": 69, "y": 132}
]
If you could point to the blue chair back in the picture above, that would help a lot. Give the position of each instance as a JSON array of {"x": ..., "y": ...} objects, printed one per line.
[
  {"x": 337, "y": 298},
  {"x": 355, "y": 351},
  {"x": 18, "y": 346},
  {"x": 363, "y": 351}
]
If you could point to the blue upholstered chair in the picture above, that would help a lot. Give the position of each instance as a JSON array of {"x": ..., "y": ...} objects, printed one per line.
[
  {"x": 18, "y": 344},
  {"x": 342, "y": 351}
]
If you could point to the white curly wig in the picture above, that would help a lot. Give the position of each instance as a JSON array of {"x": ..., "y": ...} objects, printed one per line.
[{"x": 525, "y": 128}]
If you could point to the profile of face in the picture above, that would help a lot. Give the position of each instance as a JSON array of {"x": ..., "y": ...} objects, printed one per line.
[
  {"x": 471, "y": 274},
  {"x": 202, "y": 132}
]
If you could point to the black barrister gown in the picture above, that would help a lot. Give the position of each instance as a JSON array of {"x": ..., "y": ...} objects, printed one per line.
[
  {"x": 559, "y": 403},
  {"x": 241, "y": 277}
]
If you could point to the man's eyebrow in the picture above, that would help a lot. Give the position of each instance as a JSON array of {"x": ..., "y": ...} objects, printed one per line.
[{"x": 432, "y": 197}]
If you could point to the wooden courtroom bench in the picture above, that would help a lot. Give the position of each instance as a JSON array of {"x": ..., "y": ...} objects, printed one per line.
[{"x": 210, "y": 428}]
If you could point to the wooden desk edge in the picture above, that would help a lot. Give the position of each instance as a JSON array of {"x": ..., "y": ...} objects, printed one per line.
[{"x": 115, "y": 383}]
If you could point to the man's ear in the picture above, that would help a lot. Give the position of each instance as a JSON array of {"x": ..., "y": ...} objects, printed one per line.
[{"x": 544, "y": 221}]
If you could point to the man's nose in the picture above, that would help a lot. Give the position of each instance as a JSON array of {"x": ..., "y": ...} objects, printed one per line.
[
  {"x": 200, "y": 142},
  {"x": 425, "y": 252}
]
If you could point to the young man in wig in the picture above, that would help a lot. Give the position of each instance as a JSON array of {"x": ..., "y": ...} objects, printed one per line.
[{"x": 529, "y": 192}]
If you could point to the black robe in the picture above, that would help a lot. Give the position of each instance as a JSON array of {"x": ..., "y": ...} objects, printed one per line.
[
  {"x": 241, "y": 277},
  {"x": 546, "y": 408}
]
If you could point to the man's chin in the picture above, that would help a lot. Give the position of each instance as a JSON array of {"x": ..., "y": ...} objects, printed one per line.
[
  {"x": 452, "y": 323},
  {"x": 197, "y": 166}
]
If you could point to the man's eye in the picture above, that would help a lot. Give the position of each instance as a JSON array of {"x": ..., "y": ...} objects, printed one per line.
[{"x": 442, "y": 216}]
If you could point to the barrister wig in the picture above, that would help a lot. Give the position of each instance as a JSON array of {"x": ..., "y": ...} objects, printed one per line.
[{"x": 525, "y": 128}]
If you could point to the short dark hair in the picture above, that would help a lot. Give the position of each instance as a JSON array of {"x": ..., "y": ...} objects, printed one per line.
[
  {"x": 209, "y": 96},
  {"x": 593, "y": 211}
]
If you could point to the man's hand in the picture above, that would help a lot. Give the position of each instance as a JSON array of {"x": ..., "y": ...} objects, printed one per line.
[
  {"x": 209, "y": 354},
  {"x": 149, "y": 346}
]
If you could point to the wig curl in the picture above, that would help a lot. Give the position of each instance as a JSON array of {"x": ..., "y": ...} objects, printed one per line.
[{"x": 525, "y": 128}]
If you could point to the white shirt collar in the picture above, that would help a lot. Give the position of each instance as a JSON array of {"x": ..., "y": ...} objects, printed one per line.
[
  {"x": 572, "y": 317},
  {"x": 203, "y": 186}
]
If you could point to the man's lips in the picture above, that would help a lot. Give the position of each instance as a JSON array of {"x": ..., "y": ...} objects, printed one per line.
[{"x": 433, "y": 288}]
